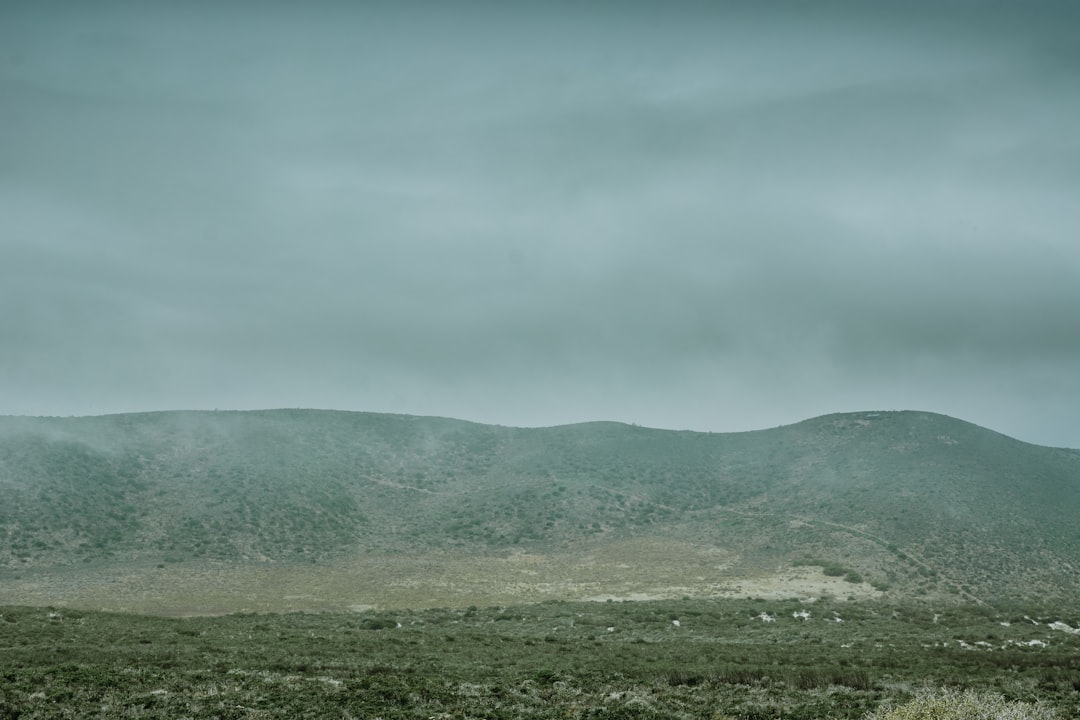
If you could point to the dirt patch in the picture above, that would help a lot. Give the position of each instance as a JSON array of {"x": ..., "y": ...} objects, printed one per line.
[{"x": 800, "y": 582}]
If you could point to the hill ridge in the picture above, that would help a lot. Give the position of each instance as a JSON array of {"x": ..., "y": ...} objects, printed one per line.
[
  {"x": 930, "y": 504},
  {"x": 371, "y": 413}
]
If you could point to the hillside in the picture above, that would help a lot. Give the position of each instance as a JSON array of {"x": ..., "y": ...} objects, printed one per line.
[{"x": 914, "y": 503}]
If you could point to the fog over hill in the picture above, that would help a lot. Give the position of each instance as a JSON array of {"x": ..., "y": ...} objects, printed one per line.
[{"x": 911, "y": 503}]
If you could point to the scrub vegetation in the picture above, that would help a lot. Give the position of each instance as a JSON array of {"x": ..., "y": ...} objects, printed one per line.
[
  {"x": 943, "y": 559},
  {"x": 914, "y": 504},
  {"x": 949, "y": 704},
  {"x": 671, "y": 659}
]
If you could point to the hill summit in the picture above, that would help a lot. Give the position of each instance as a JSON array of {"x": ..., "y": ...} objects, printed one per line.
[{"x": 908, "y": 503}]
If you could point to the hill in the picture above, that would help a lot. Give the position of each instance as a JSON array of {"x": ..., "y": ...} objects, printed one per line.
[{"x": 911, "y": 503}]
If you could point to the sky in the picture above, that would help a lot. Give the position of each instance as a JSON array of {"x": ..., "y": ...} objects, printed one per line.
[{"x": 717, "y": 216}]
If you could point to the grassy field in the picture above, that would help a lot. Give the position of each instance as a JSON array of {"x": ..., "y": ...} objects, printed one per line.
[{"x": 754, "y": 659}]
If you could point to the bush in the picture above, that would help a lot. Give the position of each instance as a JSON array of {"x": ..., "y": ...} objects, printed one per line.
[{"x": 948, "y": 704}]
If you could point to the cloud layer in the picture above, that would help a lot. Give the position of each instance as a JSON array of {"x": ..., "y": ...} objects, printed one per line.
[{"x": 708, "y": 218}]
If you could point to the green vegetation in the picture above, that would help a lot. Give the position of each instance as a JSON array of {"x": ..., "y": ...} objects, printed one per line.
[
  {"x": 550, "y": 660},
  {"x": 916, "y": 504},
  {"x": 960, "y": 529}
]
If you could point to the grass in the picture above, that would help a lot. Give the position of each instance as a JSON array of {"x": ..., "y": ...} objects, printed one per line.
[{"x": 664, "y": 659}]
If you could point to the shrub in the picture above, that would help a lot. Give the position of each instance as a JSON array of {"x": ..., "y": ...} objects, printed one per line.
[{"x": 946, "y": 704}]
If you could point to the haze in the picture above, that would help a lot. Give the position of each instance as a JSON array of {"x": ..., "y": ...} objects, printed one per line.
[{"x": 716, "y": 216}]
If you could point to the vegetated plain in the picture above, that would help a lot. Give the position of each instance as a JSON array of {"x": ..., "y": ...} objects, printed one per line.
[
  {"x": 810, "y": 571},
  {"x": 746, "y": 659}
]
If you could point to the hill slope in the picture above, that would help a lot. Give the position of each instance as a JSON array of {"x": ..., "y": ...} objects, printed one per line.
[{"x": 915, "y": 502}]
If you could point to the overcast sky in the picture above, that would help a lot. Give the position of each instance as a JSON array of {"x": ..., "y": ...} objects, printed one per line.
[{"x": 714, "y": 216}]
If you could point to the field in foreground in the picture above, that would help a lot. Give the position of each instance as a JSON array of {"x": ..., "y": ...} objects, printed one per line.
[{"x": 664, "y": 659}]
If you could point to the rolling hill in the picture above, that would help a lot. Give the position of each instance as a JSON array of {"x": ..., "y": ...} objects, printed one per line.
[{"x": 908, "y": 503}]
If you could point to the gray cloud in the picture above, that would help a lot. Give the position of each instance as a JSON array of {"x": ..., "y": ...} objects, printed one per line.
[{"x": 707, "y": 217}]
